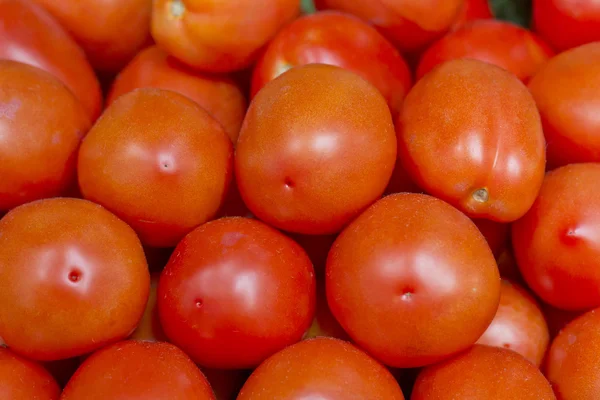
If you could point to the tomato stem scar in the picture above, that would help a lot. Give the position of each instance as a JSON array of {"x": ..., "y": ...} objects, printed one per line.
[
  {"x": 481, "y": 195},
  {"x": 177, "y": 8}
]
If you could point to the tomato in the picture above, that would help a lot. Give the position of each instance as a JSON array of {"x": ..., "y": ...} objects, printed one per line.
[
  {"x": 179, "y": 162},
  {"x": 481, "y": 147},
  {"x": 73, "y": 278},
  {"x": 483, "y": 372},
  {"x": 149, "y": 328},
  {"x": 219, "y": 95},
  {"x": 40, "y": 132},
  {"x": 496, "y": 234},
  {"x": 473, "y": 10},
  {"x": 322, "y": 368},
  {"x": 557, "y": 243},
  {"x": 234, "y": 292},
  {"x": 219, "y": 36},
  {"x": 335, "y": 38},
  {"x": 567, "y": 93},
  {"x": 324, "y": 323},
  {"x": 306, "y": 135},
  {"x": 138, "y": 370},
  {"x": 419, "y": 273},
  {"x": 21, "y": 379}
]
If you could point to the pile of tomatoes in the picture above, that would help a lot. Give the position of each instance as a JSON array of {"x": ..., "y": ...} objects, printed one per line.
[{"x": 241, "y": 199}]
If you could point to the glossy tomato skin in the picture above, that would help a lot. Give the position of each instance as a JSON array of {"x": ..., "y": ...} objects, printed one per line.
[
  {"x": 38, "y": 139},
  {"x": 557, "y": 243},
  {"x": 481, "y": 148},
  {"x": 323, "y": 368},
  {"x": 219, "y": 36},
  {"x": 73, "y": 278},
  {"x": 567, "y": 91},
  {"x": 235, "y": 292},
  {"x": 217, "y": 94},
  {"x": 483, "y": 372},
  {"x": 473, "y": 10},
  {"x": 179, "y": 163},
  {"x": 22, "y": 379},
  {"x": 418, "y": 272},
  {"x": 136, "y": 370},
  {"x": 306, "y": 135}
]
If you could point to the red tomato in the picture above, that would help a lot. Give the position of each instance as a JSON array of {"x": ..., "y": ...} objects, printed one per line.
[
  {"x": 483, "y": 372},
  {"x": 496, "y": 234},
  {"x": 219, "y": 95},
  {"x": 567, "y": 93},
  {"x": 557, "y": 243},
  {"x": 307, "y": 135},
  {"x": 473, "y": 10},
  {"x": 322, "y": 368},
  {"x": 419, "y": 273},
  {"x": 149, "y": 328},
  {"x": 324, "y": 323},
  {"x": 219, "y": 36},
  {"x": 40, "y": 132},
  {"x": 234, "y": 292},
  {"x": 73, "y": 278},
  {"x": 481, "y": 147},
  {"x": 21, "y": 379},
  {"x": 138, "y": 370},
  {"x": 334, "y": 38},
  {"x": 179, "y": 162}
]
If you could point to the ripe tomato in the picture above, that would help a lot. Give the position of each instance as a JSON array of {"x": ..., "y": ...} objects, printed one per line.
[
  {"x": 481, "y": 147},
  {"x": 567, "y": 93},
  {"x": 219, "y": 36},
  {"x": 322, "y": 368},
  {"x": 324, "y": 323},
  {"x": 473, "y": 10},
  {"x": 419, "y": 273},
  {"x": 73, "y": 278},
  {"x": 149, "y": 328},
  {"x": 557, "y": 243},
  {"x": 138, "y": 370},
  {"x": 483, "y": 372},
  {"x": 21, "y": 379},
  {"x": 234, "y": 292},
  {"x": 306, "y": 135},
  {"x": 218, "y": 95},
  {"x": 179, "y": 162},
  {"x": 496, "y": 234},
  {"x": 41, "y": 126}
]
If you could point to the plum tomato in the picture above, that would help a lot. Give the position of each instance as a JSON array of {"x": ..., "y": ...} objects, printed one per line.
[
  {"x": 316, "y": 148},
  {"x": 149, "y": 328},
  {"x": 235, "y": 292},
  {"x": 73, "y": 278},
  {"x": 481, "y": 147},
  {"x": 22, "y": 379},
  {"x": 419, "y": 273},
  {"x": 496, "y": 234},
  {"x": 473, "y": 10}
]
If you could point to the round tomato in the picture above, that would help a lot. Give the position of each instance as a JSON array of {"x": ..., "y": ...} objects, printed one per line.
[
  {"x": 73, "y": 278},
  {"x": 149, "y": 328},
  {"x": 473, "y": 10},
  {"x": 419, "y": 273},
  {"x": 496, "y": 234},
  {"x": 234, "y": 292},
  {"x": 178, "y": 164},
  {"x": 21, "y": 379}
]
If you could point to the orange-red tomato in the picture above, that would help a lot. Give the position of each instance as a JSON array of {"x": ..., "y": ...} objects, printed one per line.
[
  {"x": 481, "y": 146},
  {"x": 73, "y": 278},
  {"x": 335, "y": 38},
  {"x": 149, "y": 328},
  {"x": 316, "y": 148},
  {"x": 567, "y": 94},
  {"x": 219, "y": 95},
  {"x": 219, "y": 36},
  {"x": 496, "y": 234},
  {"x": 138, "y": 370},
  {"x": 235, "y": 292},
  {"x": 483, "y": 372},
  {"x": 557, "y": 243},
  {"x": 21, "y": 379},
  {"x": 322, "y": 368},
  {"x": 178, "y": 164},
  {"x": 419, "y": 273},
  {"x": 41, "y": 126},
  {"x": 473, "y": 10}
]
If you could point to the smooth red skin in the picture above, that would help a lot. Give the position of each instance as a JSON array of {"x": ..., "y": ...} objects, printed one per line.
[
  {"x": 483, "y": 372},
  {"x": 324, "y": 323},
  {"x": 179, "y": 162},
  {"x": 149, "y": 328},
  {"x": 558, "y": 319},
  {"x": 136, "y": 370},
  {"x": 40, "y": 132},
  {"x": 473, "y": 10},
  {"x": 224, "y": 277},
  {"x": 496, "y": 234},
  {"x": 30, "y": 35},
  {"x": 293, "y": 164},
  {"x": 44, "y": 314},
  {"x": 482, "y": 131},
  {"x": 217, "y": 94},
  {"x": 419, "y": 273},
  {"x": 22, "y": 379},
  {"x": 335, "y": 38},
  {"x": 323, "y": 368},
  {"x": 557, "y": 243},
  {"x": 567, "y": 93}
]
